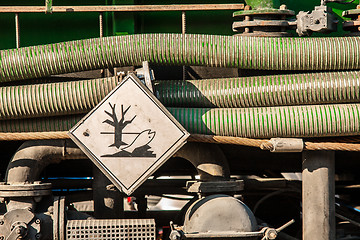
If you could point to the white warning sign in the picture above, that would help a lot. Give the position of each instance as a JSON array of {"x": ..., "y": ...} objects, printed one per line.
[{"x": 129, "y": 134}]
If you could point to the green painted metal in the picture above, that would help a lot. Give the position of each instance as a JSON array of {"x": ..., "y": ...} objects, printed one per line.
[
  {"x": 258, "y": 4},
  {"x": 38, "y": 28}
]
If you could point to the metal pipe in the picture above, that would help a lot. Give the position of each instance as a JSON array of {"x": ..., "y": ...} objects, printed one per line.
[
  {"x": 210, "y": 162},
  {"x": 32, "y": 158},
  {"x": 179, "y": 49},
  {"x": 318, "y": 195}
]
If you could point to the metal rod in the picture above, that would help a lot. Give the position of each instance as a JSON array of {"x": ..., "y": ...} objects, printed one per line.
[
  {"x": 17, "y": 30},
  {"x": 183, "y": 31},
  {"x": 123, "y": 8},
  {"x": 101, "y": 24},
  {"x": 183, "y": 22},
  {"x": 318, "y": 195}
]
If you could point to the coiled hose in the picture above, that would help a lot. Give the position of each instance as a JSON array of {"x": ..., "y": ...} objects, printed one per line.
[
  {"x": 177, "y": 49},
  {"x": 266, "y": 122},
  {"x": 64, "y": 98}
]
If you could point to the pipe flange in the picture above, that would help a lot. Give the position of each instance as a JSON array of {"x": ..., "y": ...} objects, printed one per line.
[
  {"x": 352, "y": 25},
  {"x": 263, "y": 22},
  {"x": 24, "y": 190}
]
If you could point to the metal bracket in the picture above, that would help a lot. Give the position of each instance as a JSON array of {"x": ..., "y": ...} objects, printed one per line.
[
  {"x": 287, "y": 145},
  {"x": 146, "y": 75}
]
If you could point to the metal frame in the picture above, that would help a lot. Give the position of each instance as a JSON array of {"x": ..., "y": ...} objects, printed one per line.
[{"x": 122, "y": 8}]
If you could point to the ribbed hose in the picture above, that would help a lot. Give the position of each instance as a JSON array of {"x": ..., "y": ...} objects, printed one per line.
[
  {"x": 61, "y": 98},
  {"x": 262, "y": 91},
  {"x": 64, "y": 98},
  {"x": 341, "y": 53},
  {"x": 295, "y": 121}
]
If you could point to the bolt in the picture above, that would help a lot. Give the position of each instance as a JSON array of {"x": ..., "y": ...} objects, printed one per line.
[
  {"x": 271, "y": 234},
  {"x": 38, "y": 236},
  {"x": 37, "y": 221},
  {"x": 283, "y": 7},
  {"x": 18, "y": 231}
]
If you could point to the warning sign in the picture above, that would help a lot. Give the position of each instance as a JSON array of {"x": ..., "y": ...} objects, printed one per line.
[{"x": 129, "y": 134}]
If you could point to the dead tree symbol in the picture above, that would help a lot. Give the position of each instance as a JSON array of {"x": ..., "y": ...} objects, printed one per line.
[{"x": 118, "y": 125}]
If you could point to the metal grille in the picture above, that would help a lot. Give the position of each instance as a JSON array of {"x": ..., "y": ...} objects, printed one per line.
[{"x": 111, "y": 229}]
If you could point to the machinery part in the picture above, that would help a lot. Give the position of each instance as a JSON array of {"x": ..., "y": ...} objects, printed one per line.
[
  {"x": 59, "y": 218},
  {"x": 263, "y": 4},
  {"x": 352, "y": 25},
  {"x": 215, "y": 187},
  {"x": 318, "y": 179},
  {"x": 266, "y": 22},
  {"x": 320, "y": 20},
  {"x": 19, "y": 224},
  {"x": 111, "y": 229},
  {"x": 146, "y": 75},
  {"x": 211, "y": 164},
  {"x": 287, "y": 121},
  {"x": 181, "y": 49},
  {"x": 65, "y": 98},
  {"x": 287, "y": 145},
  {"x": 108, "y": 201},
  {"x": 25, "y": 190},
  {"x": 218, "y": 214},
  {"x": 266, "y": 234},
  {"x": 30, "y": 160}
]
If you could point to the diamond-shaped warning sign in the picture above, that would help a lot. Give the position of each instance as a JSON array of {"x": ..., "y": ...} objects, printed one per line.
[{"x": 129, "y": 134}]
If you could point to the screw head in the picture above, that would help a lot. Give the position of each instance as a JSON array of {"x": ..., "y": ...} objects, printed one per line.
[
  {"x": 37, "y": 221},
  {"x": 38, "y": 236}
]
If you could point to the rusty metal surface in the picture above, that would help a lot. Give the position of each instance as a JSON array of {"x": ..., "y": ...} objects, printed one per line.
[
  {"x": 352, "y": 25},
  {"x": 263, "y": 22},
  {"x": 123, "y": 8}
]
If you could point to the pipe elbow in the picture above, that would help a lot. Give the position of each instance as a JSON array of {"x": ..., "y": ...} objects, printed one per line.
[{"x": 33, "y": 156}]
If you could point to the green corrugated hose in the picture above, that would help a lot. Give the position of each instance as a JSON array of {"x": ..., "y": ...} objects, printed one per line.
[
  {"x": 64, "y": 98},
  {"x": 262, "y": 91},
  {"x": 295, "y": 121},
  {"x": 50, "y": 99},
  {"x": 341, "y": 53}
]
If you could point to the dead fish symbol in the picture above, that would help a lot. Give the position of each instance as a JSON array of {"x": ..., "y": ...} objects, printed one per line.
[{"x": 142, "y": 139}]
